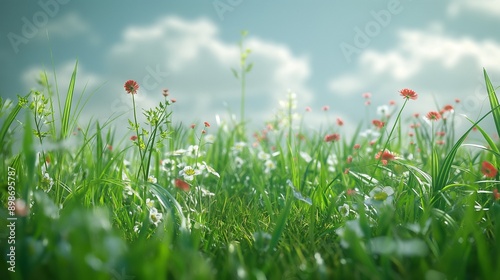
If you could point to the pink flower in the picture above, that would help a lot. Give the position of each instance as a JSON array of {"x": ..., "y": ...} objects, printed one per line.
[
  {"x": 332, "y": 137},
  {"x": 367, "y": 95},
  {"x": 408, "y": 94},
  {"x": 433, "y": 116},
  {"x": 326, "y": 108},
  {"x": 340, "y": 122},
  {"x": 133, "y": 137}
]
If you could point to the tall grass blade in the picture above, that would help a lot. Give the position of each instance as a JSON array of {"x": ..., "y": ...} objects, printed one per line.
[
  {"x": 493, "y": 101},
  {"x": 65, "y": 127},
  {"x": 11, "y": 117}
]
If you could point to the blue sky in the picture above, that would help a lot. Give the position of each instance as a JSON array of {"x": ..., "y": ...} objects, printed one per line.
[{"x": 327, "y": 52}]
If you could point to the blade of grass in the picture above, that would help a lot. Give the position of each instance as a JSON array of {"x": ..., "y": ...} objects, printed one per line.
[
  {"x": 67, "y": 106},
  {"x": 12, "y": 116},
  {"x": 493, "y": 101}
]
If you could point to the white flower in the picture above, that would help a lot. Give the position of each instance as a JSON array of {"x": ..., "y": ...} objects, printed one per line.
[
  {"x": 155, "y": 216},
  {"x": 152, "y": 179},
  {"x": 263, "y": 155},
  {"x": 167, "y": 165},
  {"x": 380, "y": 195},
  {"x": 239, "y": 162},
  {"x": 269, "y": 166},
  {"x": 383, "y": 110},
  {"x": 238, "y": 146},
  {"x": 128, "y": 190},
  {"x": 137, "y": 227},
  {"x": 192, "y": 151},
  {"x": 150, "y": 203},
  {"x": 306, "y": 156},
  {"x": 211, "y": 170},
  {"x": 210, "y": 138},
  {"x": 188, "y": 173}
]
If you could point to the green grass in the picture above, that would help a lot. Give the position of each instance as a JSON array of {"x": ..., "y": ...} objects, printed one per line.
[{"x": 284, "y": 205}]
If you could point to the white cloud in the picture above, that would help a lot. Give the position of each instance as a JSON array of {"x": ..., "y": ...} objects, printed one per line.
[
  {"x": 194, "y": 63},
  {"x": 438, "y": 66},
  {"x": 487, "y": 7}
]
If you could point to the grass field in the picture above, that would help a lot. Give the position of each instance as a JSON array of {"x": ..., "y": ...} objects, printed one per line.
[{"x": 400, "y": 199}]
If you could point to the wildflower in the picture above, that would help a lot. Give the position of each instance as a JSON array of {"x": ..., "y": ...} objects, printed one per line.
[
  {"x": 392, "y": 102},
  {"x": 349, "y": 159},
  {"x": 155, "y": 216},
  {"x": 173, "y": 100},
  {"x": 180, "y": 184},
  {"x": 210, "y": 169},
  {"x": 488, "y": 170},
  {"x": 367, "y": 103},
  {"x": 209, "y": 138},
  {"x": 416, "y": 115},
  {"x": 351, "y": 192},
  {"x": 308, "y": 109},
  {"x": 21, "y": 209},
  {"x": 192, "y": 126},
  {"x": 188, "y": 173},
  {"x": 448, "y": 108},
  {"x": 440, "y": 133},
  {"x": 344, "y": 210},
  {"x": 379, "y": 124},
  {"x": 380, "y": 195},
  {"x": 340, "y": 122},
  {"x": 457, "y": 100},
  {"x": 357, "y": 146},
  {"x": 165, "y": 92},
  {"x": 496, "y": 194},
  {"x": 367, "y": 95},
  {"x": 131, "y": 86},
  {"x": 383, "y": 110},
  {"x": 270, "y": 165},
  {"x": 128, "y": 191},
  {"x": 133, "y": 137},
  {"x": 137, "y": 226},
  {"x": 408, "y": 94},
  {"x": 332, "y": 137},
  {"x": 385, "y": 156},
  {"x": 263, "y": 155},
  {"x": 433, "y": 116},
  {"x": 326, "y": 108},
  {"x": 238, "y": 146},
  {"x": 203, "y": 131},
  {"x": 206, "y": 124},
  {"x": 150, "y": 203},
  {"x": 152, "y": 179}
]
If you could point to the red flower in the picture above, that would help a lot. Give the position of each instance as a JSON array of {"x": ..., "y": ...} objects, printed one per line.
[
  {"x": 408, "y": 93},
  {"x": 131, "y": 86},
  {"x": 182, "y": 185},
  {"x": 173, "y": 100},
  {"x": 448, "y": 108},
  {"x": 488, "y": 170},
  {"x": 433, "y": 116},
  {"x": 206, "y": 124},
  {"x": 332, "y": 137},
  {"x": 378, "y": 124},
  {"x": 496, "y": 195},
  {"x": 340, "y": 122},
  {"x": 357, "y": 146},
  {"x": 133, "y": 137},
  {"x": 385, "y": 156}
]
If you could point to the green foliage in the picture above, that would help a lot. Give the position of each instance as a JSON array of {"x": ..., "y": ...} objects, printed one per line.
[{"x": 189, "y": 203}]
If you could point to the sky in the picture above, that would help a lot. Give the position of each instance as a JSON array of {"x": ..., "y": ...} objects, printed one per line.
[{"x": 327, "y": 52}]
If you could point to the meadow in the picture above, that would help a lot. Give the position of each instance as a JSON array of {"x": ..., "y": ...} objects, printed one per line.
[{"x": 403, "y": 198}]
